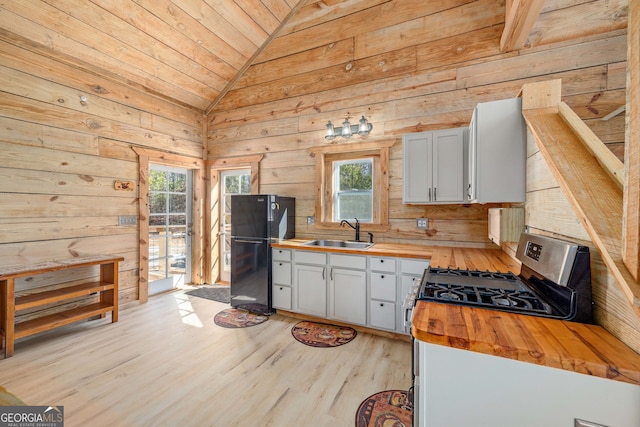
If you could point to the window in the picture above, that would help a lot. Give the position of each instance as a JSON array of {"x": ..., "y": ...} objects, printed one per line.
[
  {"x": 353, "y": 194},
  {"x": 352, "y": 181}
]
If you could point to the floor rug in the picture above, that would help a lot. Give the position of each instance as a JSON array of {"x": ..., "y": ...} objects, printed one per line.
[
  {"x": 236, "y": 318},
  {"x": 216, "y": 293},
  {"x": 321, "y": 334},
  {"x": 387, "y": 408}
]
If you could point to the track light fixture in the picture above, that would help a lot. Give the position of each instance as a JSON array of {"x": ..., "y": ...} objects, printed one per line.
[{"x": 348, "y": 129}]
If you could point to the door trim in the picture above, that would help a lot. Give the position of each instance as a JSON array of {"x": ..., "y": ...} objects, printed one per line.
[
  {"x": 145, "y": 157},
  {"x": 211, "y": 240}
]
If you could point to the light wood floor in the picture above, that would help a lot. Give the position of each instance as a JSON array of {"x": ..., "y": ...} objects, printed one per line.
[{"x": 166, "y": 363}]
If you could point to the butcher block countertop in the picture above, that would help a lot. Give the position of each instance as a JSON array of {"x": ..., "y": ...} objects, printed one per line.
[
  {"x": 586, "y": 349},
  {"x": 378, "y": 249}
]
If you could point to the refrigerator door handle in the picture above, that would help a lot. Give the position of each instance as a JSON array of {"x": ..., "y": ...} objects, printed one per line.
[{"x": 255, "y": 242}]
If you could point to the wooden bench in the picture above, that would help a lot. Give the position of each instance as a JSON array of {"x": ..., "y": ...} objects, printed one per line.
[{"x": 106, "y": 287}]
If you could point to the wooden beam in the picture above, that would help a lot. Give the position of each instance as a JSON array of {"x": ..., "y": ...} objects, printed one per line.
[
  {"x": 592, "y": 194},
  {"x": 609, "y": 162},
  {"x": 631, "y": 218},
  {"x": 520, "y": 17}
]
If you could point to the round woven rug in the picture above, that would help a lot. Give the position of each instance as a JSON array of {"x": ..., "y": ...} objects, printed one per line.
[
  {"x": 317, "y": 334},
  {"x": 236, "y": 318},
  {"x": 386, "y": 408}
]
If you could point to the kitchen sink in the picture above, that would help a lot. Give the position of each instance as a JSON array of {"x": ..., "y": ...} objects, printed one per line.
[{"x": 339, "y": 244}]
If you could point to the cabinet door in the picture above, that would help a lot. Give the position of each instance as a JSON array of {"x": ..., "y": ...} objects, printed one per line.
[
  {"x": 310, "y": 291},
  {"x": 348, "y": 295},
  {"x": 448, "y": 166},
  {"x": 282, "y": 297},
  {"x": 382, "y": 314},
  {"x": 416, "y": 167},
  {"x": 281, "y": 273}
]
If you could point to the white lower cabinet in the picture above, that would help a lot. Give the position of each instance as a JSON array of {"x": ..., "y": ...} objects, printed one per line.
[
  {"x": 311, "y": 290},
  {"x": 382, "y": 314},
  {"x": 281, "y": 278},
  {"x": 310, "y": 283},
  {"x": 348, "y": 295},
  {"x": 383, "y": 292},
  {"x": 281, "y": 297},
  {"x": 356, "y": 289}
]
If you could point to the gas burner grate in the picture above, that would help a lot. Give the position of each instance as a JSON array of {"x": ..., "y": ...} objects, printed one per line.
[{"x": 503, "y": 291}]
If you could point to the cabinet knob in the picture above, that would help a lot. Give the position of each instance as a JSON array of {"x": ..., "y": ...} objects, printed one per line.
[
  {"x": 382, "y": 276},
  {"x": 281, "y": 288},
  {"x": 381, "y": 304},
  {"x": 381, "y": 261},
  {"x": 280, "y": 263}
]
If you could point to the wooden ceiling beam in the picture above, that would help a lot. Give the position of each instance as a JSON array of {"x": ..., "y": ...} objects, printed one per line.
[
  {"x": 520, "y": 17},
  {"x": 631, "y": 217}
]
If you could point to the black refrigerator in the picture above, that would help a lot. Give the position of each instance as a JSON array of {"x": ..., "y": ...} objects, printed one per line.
[{"x": 256, "y": 221}]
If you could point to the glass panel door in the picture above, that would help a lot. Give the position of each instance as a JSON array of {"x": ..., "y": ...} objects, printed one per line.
[
  {"x": 170, "y": 194},
  {"x": 233, "y": 182}
]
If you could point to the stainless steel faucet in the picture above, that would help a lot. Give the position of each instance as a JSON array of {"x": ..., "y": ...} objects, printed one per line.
[{"x": 356, "y": 227}]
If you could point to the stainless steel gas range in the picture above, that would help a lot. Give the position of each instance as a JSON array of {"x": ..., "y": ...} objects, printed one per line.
[{"x": 554, "y": 282}]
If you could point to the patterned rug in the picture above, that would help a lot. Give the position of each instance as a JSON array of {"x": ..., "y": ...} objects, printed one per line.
[
  {"x": 386, "y": 408},
  {"x": 321, "y": 334},
  {"x": 236, "y": 318},
  {"x": 216, "y": 293}
]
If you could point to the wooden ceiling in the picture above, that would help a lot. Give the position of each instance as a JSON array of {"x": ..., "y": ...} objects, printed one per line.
[
  {"x": 194, "y": 51},
  {"x": 186, "y": 50}
]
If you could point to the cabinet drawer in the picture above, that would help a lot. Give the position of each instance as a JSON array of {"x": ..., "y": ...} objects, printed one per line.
[
  {"x": 383, "y": 264},
  {"x": 309, "y": 257},
  {"x": 382, "y": 314},
  {"x": 282, "y": 297},
  {"x": 383, "y": 286},
  {"x": 281, "y": 273},
  {"x": 280, "y": 254},
  {"x": 348, "y": 261},
  {"x": 414, "y": 266}
]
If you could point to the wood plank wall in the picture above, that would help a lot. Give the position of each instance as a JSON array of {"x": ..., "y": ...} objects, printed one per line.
[
  {"x": 60, "y": 156},
  {"x": 410, "y": 66},
  {"x": 414, "y": 66}
]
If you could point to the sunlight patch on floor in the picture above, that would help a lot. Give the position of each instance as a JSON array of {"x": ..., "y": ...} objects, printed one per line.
[{"x": 187, "y": 313}]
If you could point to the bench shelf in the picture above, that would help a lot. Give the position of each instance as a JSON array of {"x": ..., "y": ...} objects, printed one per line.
[{"x": 106, "y": 288}]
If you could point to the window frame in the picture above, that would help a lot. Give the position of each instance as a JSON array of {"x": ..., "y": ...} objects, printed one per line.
[{"x": 326, "y": 155}]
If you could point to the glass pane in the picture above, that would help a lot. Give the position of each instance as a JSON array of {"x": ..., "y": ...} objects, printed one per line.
[
  {"x": 355, "y": 175},
  {"x": 157, "y": 269},
  {"x": 178, "y": 220},
  {"x": 177, "y": 182},
  {"x": 231, "y": 184},
  {"x": 157, "y": 245},
  {"x": 177, "y": 203},
  {"x": 245, "y": 187},
  {"x": 157, "y": 220},
  {"x": 157, "y": 202},
  {"x": 355, "y": 205},
  {"x": 157, "y": 180}
]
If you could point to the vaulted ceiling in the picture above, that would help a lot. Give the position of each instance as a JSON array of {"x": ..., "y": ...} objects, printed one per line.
[
  {"x": 187, "y": 50},
  {"x": 194, "y": 51}
]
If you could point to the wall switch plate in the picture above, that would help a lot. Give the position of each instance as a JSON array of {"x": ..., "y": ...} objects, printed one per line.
[
  {"x": 311, "y": 219},
  {"x": 422, "y": 223},
  {"x": 127, "y": 220}
]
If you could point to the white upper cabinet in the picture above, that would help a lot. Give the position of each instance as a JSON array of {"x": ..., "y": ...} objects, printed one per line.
[
  {"x": 434, "y": 167},
  {"x": 497, "y": 153}
]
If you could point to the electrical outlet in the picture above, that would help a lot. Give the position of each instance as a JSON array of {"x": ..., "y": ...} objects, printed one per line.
[
  {"x": 127, "y": 220},
  {"x": 311, "y": 219},
  {"x": 422, "y": 223}
]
